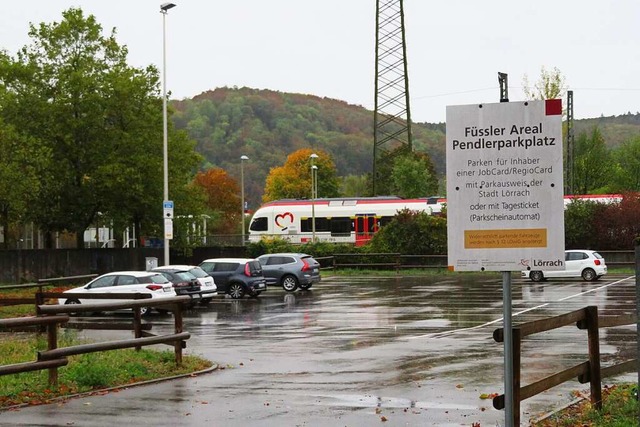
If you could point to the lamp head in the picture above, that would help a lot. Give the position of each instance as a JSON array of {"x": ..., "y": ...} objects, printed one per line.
[
  {"x": 166, "y": 6},
  {"x": 244, "y": 158},
  {"x": 313, "y": 156}
]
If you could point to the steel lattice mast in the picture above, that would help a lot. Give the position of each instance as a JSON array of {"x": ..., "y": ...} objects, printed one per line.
[{"x": 392, "y": 115}]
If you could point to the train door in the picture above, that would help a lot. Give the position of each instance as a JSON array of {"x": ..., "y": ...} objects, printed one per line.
[{"x": 365, "y": 227}]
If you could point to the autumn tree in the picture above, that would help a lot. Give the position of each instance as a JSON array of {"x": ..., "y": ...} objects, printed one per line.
[
  {"x": 293, "y": 179},
  {"x": 222, "y": 194}
]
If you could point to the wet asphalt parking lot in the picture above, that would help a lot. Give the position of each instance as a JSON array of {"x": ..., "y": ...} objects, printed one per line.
[{"x": 393, "y": 351}]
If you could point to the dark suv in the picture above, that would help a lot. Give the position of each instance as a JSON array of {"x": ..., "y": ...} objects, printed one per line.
[
  {"x": 290, "y": 270},
  {"x": 236, "y": 276}
]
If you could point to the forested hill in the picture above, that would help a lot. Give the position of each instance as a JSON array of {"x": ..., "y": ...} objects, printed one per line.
[
  {"x": 267, "y": 126},
  {"x": 615, "y": 129}
]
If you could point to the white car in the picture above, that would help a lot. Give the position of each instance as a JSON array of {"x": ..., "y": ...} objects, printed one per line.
[
  {"x": 143, "y": 282},
  {"x": 587, "y": 264}
]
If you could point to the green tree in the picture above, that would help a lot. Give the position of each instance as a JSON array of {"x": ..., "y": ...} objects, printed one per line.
[
  {"x": 356, "y": 186},
  {"x": 626, "y": 176},
  {"x": 21, "y": 161},
  {"x": 72, "y": 89},
  {"x": 592, "y": 168},
  {"x": 413, "y": 175},
  {"x": 551, "y": 85},
  {"x": 579, "y": 223}
]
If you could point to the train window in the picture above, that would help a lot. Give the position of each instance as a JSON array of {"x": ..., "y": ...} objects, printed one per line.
[
  {"x": 341, "y": 226},
  {"x": 259, "y": 224},
  {"x": 322, "y": 224}
]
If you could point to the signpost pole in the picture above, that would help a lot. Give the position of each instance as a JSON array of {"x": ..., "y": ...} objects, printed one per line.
[
  {"x": 506, "y": 307},
  {"x": 508, "y": 348},
  {"x": 505, "y": 200}
]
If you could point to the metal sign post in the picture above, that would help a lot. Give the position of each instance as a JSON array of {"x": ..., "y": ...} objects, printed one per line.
[
  {"x": 505, "y": 199},
  {"x": 508, "y": 348}
]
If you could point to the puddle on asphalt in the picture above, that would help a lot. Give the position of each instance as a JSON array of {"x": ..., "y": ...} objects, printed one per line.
[{"x": 368, "y": 401}]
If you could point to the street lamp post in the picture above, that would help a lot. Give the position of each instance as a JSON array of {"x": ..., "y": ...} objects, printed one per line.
[
  {"x": 314, "y": 195},
  {"x": 242, "y": 159},
  {"x": 165, "y": 158},
  {"x": 313, "y": 156}
]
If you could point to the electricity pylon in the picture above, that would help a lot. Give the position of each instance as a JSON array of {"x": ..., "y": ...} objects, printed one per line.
[{"x": 392, "y": 115}]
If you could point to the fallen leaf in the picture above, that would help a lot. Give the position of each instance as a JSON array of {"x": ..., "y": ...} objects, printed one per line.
[
  {"x": 383, "y": 418},
  {"x": 488, "y": 395}
]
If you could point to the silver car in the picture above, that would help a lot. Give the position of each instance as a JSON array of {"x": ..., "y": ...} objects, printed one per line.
[{"x": 290, "y": 270}]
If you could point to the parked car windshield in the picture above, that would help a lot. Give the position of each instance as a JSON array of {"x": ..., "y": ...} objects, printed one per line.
[
  {"x": 156, "y": 278},
  {"x": 198, "y": 272},
  {"x": 185, "y": 275}
]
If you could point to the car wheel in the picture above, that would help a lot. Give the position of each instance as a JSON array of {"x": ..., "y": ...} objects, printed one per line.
[
  {"x": 255, "y": 294},
  {"x": 289, "y": 283},
  {"x": 536, "y": 276},
  {"x": 305, "y": 287},
  {"x": 144, "y": 311},
  {"x": 70, "y": 302},
  {"x": 588, "y": 274},
  {"x": 236, "y": 291}
]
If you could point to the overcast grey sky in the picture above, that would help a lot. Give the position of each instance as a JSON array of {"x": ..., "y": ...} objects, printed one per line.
[{"x": 326, "y": 47}]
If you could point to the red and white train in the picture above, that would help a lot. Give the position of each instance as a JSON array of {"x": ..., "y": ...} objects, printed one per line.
[{"x": 347, "y": 220}]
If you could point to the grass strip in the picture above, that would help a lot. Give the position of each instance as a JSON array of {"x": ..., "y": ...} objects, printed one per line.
[{"x": 84, "y": 373}]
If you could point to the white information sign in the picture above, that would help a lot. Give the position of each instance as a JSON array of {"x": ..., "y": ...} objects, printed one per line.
[
  {"x": 505, "y": 205},
  {"x": 168, "y": 228}
]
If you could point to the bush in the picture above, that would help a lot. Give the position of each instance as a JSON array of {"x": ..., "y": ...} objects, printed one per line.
[
  {"x": 599, "y": 226},
  {"x": 412, "y": 232},
  {"x": 271, "y": 245}
]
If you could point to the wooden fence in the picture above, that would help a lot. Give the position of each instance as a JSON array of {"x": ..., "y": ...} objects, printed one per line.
[
  {"x": 51, "y": 316},
  {"x": 588, "y": 371}
]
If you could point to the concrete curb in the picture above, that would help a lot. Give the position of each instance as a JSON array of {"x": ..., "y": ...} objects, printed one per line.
[{"x": 110, "y": 389}]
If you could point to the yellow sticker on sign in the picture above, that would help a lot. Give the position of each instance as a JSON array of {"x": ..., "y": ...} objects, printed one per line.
[{"x": 510, "y": 238}]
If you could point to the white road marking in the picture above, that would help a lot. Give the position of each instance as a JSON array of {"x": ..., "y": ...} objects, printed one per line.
[{"x": 499, "y": 320}]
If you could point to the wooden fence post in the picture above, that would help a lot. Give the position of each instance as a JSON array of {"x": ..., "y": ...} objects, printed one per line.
[
  {"x": 595, "y": 379},
  {"x": 52, "y": 344},
  {"x": 177, "y": 316}
]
